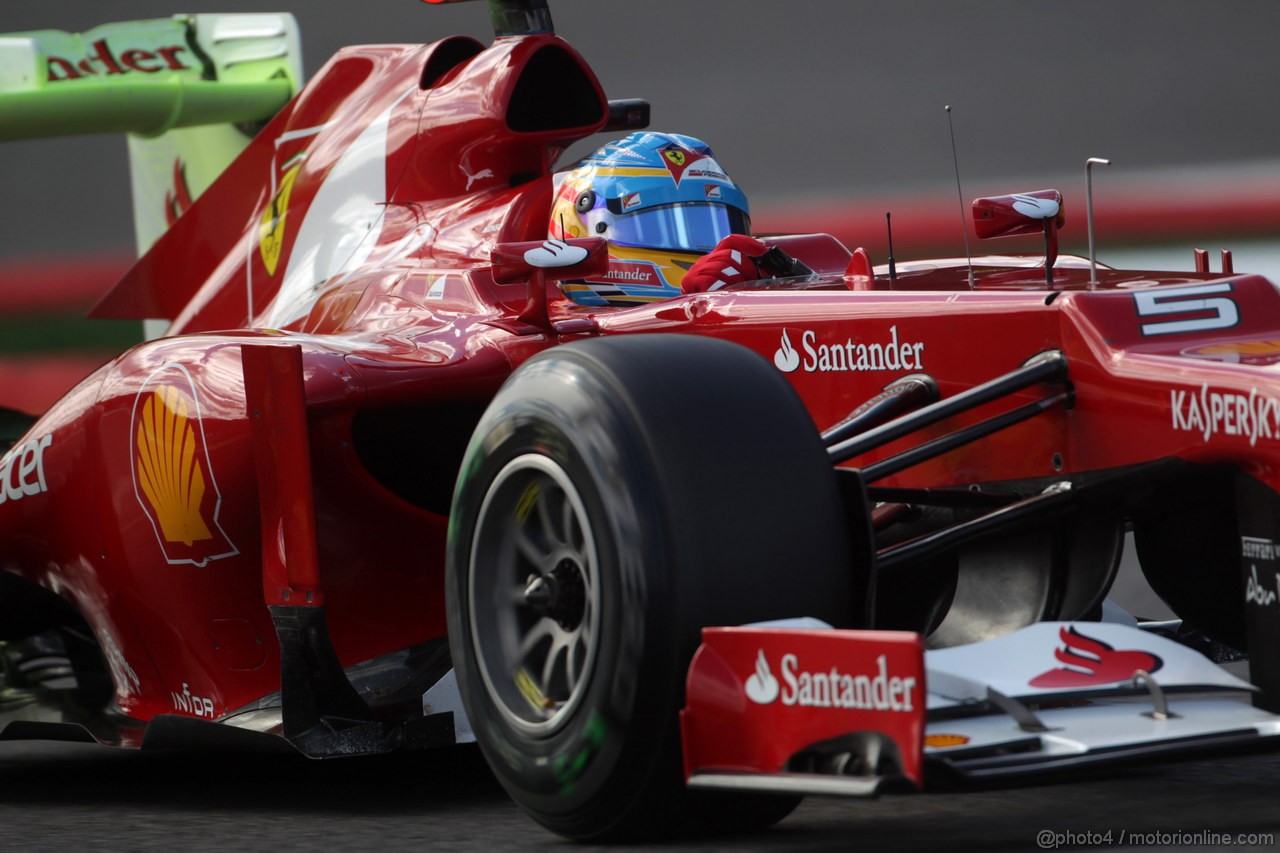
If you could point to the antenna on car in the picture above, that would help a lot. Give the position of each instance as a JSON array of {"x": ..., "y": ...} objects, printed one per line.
[
  {"x": 1088, "y": 207},
  {"x": 964, "y": 226},
  {"x": 888, "y": 224}
]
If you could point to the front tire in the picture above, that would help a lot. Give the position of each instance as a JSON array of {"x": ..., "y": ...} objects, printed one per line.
[{"x": 617, "y": 496}]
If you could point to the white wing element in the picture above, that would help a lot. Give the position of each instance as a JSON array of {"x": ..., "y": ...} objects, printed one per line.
[{"x": 555, "y": 253}]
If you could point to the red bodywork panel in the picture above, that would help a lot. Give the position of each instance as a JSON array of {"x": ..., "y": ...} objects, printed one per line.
[
  {"x": 357, "y": 233},
  {"x": 277, "y": 408}
]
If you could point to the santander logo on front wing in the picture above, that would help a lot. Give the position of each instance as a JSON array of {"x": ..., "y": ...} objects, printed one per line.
[
  {"x": 1087, "y": 662},
  {"x": 878, "y": 690}
]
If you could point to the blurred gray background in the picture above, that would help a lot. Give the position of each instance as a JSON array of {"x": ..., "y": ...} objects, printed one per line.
[{"x": 821, "y": 99}]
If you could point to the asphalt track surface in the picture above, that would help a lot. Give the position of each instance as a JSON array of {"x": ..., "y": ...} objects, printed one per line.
[{"x": 60, "y": 797}]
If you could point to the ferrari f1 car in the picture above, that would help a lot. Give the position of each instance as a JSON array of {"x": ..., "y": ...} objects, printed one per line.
[{"x": 381, "y": 485}]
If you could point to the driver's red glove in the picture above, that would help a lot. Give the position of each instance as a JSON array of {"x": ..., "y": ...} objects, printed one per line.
[{"x": 730, "y": 262}]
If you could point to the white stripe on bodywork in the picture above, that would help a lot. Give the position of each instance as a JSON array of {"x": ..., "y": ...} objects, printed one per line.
[
  {"x": 253, "y": 246},
  {"x": 342, "y": 225}
]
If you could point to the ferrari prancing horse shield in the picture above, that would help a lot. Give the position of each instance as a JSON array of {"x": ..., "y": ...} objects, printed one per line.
[{"x": 271, "y": 229}]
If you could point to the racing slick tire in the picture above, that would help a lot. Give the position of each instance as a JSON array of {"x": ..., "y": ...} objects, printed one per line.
[{"x": 617, "y": 496}]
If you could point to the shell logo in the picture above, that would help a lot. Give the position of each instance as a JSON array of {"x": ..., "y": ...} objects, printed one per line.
[
  {"x": 172, "y": 475},
  {"x": 943, "y": 741},
  {"x": 168, "y": 472}
]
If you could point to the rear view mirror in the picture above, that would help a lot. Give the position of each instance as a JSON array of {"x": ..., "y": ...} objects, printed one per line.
[
  {"x": 538, "y": 262},
  {"x": 1020, "y": 213},
  {"x": 550, "y": 260}
]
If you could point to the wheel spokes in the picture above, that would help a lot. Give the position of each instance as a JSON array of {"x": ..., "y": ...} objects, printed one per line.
[
  {"x": 536, "y": 554},
  {"x": 534, "y": 563},
  {"x": 541, "y": 630},
  {"x": 547, "y": 495}
]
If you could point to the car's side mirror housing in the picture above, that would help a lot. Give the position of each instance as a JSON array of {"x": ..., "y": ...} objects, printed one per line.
[
  {"x": 1023, "y": 213},
  {"x": 538, "y": 262},
  {"x": 1019, "y": 213},
  {"x": 550, "y": 260}
]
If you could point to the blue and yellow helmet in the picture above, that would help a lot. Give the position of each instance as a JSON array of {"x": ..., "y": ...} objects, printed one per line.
[{"x": 660, "y": 200}]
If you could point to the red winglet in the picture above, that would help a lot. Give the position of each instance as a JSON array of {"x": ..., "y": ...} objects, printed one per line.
[
  {"x": 758, "y": 697},
  {"x": 860, "y": 275},
  {"x": 277, "y": 412}
]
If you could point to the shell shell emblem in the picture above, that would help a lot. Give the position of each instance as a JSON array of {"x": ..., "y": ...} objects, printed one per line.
[{"x": 172, "y": 475}]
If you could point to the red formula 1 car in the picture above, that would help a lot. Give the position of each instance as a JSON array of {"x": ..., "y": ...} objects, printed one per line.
[{"x": 383, "y": 485}]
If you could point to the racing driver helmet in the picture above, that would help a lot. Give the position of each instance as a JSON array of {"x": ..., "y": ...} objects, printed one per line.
[{"x": 660, "y": 200}]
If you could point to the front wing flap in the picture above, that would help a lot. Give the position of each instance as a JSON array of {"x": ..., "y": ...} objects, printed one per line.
[
  {"x": 859, "y": 713},
  {"x": 805, "y": 710}
]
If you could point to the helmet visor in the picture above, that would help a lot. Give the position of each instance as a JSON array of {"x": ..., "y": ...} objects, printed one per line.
[{"x": 689, "y": 226}]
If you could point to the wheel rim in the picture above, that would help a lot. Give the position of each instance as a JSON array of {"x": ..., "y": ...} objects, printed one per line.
[{"x": 534, "y": 593}]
